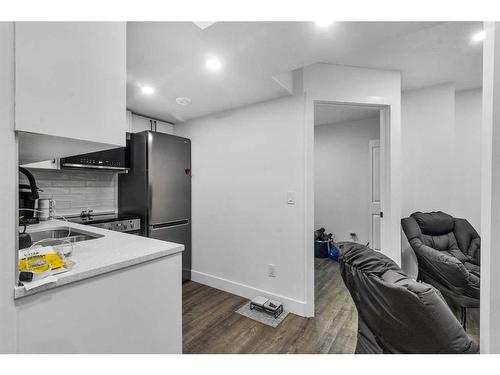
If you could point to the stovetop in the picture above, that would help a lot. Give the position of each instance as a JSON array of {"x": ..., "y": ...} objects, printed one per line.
[{"x": 100, "y": 218}]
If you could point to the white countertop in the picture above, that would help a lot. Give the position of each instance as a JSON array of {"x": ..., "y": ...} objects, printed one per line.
[{"x": 101, "y": 255}]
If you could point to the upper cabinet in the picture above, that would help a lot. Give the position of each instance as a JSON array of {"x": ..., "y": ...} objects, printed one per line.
[
  {"x": 137, "y": 123},
  {"x": 71, "y": 83}
]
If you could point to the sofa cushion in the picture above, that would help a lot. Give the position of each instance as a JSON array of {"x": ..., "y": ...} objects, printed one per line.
[
  {"x": 434, "y": 223},
  {"x": 441, "y": 242}
]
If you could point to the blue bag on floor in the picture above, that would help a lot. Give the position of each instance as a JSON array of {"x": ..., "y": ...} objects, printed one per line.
[{"x": 333, "y": 253}]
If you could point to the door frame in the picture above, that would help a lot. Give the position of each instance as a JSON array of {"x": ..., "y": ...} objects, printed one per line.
[{"x": 390, "y": 236}]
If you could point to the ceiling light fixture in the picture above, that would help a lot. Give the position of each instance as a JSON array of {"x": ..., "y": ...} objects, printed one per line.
[
  {"x": 147, "y": 90},
  {"x": 182, "y": 100},
  {"x": 323, "y": 24},
  {"x": 213, "y": 64},
  {"x": 479, "y": 37}
]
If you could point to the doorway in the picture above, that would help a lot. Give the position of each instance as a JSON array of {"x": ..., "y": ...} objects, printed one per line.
[
  {"x": 347, "y": 201},
  {"x": 347, "y": 172}
]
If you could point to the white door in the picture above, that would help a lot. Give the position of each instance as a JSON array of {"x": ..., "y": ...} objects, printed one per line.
[{"x": 374, "y": 205}]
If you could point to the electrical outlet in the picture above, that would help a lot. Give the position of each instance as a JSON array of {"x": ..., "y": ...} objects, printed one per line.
[{"x": 271, "y": 270}]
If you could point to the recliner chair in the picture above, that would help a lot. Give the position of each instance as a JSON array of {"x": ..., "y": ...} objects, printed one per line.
[
  {"x": 448, "y": 253},
  {"x": 397, "y": 314}
]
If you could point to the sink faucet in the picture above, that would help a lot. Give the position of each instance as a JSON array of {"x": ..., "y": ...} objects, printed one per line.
[{"x": 86, "y": 214}]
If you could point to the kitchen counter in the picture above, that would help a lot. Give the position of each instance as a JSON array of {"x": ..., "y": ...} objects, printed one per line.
[
  {"x": 102, "y": 255},
  {"x": 123, "y": 295}
]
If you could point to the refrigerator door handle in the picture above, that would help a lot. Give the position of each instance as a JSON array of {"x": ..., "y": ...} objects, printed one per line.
[{"x": 169, "y": 224}]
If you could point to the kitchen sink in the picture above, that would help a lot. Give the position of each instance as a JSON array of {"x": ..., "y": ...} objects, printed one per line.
[{"x": 61, "y": 236}]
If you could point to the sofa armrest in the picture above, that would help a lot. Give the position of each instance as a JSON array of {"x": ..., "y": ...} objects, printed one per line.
[{"x": 475, "y": 251}]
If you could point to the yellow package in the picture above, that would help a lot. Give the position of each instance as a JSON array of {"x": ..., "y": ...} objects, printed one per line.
[{"x": 41, "y": 263}]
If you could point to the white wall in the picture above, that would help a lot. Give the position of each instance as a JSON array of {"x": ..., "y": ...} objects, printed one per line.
[
  {"x": 441, "y": 151},
  {"x": 466, "y": 199},
  {"x": 341, "y": 182},
  {"x": 441, "y": 155},
  {"x": 490, "y": 192},
  {"x": 244, "y": 162},
  {"x": 8, "y": 186},
  {"x": 427, "y": 147}
]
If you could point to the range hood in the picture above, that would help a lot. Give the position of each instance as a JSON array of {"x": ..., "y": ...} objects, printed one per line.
[{"x": 112, "y": 159}]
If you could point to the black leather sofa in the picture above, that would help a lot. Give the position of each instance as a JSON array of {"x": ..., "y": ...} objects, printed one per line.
[
  {"x": 397, "y": 314},
  {"x": 448, "y": 251}
]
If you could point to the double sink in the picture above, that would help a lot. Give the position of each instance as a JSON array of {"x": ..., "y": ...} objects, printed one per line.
[{"x": 61, "y": 236}]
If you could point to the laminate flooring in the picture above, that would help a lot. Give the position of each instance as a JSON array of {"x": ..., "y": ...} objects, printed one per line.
[{"x": 211, "y": 325}]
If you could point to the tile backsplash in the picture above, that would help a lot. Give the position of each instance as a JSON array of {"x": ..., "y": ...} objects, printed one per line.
[{"x": 77, "y": 190}]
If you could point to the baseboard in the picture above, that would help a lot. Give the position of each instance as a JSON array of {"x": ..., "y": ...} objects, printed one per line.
[{"x": 290, "y": 304}]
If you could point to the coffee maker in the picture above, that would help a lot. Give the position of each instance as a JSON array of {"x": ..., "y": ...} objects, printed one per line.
[{"x": 28, "y": 195}]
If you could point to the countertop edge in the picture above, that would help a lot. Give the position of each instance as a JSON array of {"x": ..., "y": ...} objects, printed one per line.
[{"x": 20, "y": 292}]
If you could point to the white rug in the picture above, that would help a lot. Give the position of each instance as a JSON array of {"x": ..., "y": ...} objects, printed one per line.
[{"x": 261, "y": 316}]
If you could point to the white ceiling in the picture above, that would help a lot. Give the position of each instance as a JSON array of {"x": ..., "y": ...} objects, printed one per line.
[
  {"x": 170, "y": 56},
  {"x": 334, "y": 113}
]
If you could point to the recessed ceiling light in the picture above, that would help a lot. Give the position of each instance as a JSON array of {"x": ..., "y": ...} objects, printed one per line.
[
  {"x": 323, "y": 24},
  {"x": 182, "y": 100},
  {"x": 478, "y": 37},
  {"x": 147, "y": 90},
  {"x": 213, "y": 64}
]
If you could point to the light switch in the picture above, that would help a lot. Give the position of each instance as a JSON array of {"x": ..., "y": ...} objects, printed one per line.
[{"x": 290, "y": 197}]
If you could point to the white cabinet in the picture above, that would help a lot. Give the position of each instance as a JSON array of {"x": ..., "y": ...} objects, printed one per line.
[
  {"x": 46, "y": 164},
  {"x": 132, "y": 310},
  {"x": 138, "y": 123},
  {"x": 71, "y": 82}
]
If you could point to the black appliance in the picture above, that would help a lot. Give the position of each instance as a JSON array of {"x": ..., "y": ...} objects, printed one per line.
[
  {"x": 158, "y": 189},
  {"x": 121, "y": 223},
  {"x": 28, "y": 195},
  {"x": 114, "y": 159}
]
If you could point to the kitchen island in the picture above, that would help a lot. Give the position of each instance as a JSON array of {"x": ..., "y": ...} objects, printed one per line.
[{"x": 123, "y": 295}]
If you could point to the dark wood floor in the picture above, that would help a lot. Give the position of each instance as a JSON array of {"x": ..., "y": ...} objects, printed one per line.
[
  {"x": 211, "y": 325},
  {"x": 472, "y": 323}
]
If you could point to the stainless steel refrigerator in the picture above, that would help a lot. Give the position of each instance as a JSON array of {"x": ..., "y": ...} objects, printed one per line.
[{"x": 158, "y": 188}]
